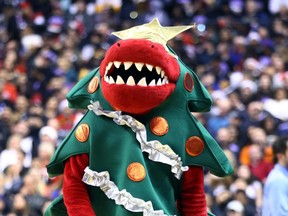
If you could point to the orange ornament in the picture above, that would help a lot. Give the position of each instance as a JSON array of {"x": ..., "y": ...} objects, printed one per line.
[
  {"x": 159, "y": 126},
  {"x": 136, "y": 172},
  {"x": 188, "y": 82},
  {"x": 82, "y": 132},
  {"x": 194, "y": 146},
  {"x": 93, "y": 85}
]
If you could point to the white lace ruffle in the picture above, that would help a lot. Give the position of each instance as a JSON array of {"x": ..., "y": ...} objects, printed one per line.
[
  {"x": 122, "y": 197},
  {"x": 157, "y": 151}
]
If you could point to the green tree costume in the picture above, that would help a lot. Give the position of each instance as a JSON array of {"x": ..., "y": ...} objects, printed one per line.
[{"x": 115, "y": 140}]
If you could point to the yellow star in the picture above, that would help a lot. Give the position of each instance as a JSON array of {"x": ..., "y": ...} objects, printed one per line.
[{"x": 152, "y": 31}]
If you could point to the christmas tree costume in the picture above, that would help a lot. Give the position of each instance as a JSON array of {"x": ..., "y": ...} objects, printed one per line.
[{"x": 143, "y": 149}]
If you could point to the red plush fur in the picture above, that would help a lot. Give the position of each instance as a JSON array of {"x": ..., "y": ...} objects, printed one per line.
[{"x": 139, "y": 99}]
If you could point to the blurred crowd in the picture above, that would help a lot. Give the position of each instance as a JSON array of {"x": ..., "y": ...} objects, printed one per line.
[{"x": 238, "y": 49}]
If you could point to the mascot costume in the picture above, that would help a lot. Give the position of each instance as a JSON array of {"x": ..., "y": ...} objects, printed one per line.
[{"x": 138, "y": 150}]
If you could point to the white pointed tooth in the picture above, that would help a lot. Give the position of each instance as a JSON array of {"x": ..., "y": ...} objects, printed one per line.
[
  {"x": 159, "y": 83},
  {"x": 127, "y": 65},
  {"x": 163, "y": 82},
  {"x": 150, "y": 67},
  {"x": 139, "y": 66},
  {"x": 119, "y": 80},
  {"x": 108, "y": 67},
  {"x": 117, "y": 64},
  {"x": 142, "y": 82},
  {"x": 111, "y": 80},
  {"x": 152, "y": 83},
  {"x": 158, "y": 69},
  {"x": 130, "y": 81},
  {"x": 106, "y": 78},
  {"x": 162, "y": 74}
]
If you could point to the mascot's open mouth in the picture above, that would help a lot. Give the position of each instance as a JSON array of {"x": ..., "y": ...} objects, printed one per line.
[{"x": 132, "y": 73}]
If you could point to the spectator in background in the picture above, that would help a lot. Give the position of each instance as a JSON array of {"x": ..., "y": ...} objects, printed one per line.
[
  {"x": 275, "y": 6},
  {"x": 265, "y": 88},
  {"x": 219, "y": 116},
  {"x": 51, "y": 107},
  {"x": 65, "y": 118},
  {"x": 247, "y": 91},
  {"x": 278, "y": 70},
  {"x": 30, "y": 191},
  {"x": 6, "y": 121},
  {"x": 9, "y": 156},
  {"x": 26, "y": 144},
  {"x": 226, "y": 139},
  {"x": 249, "y": 205},
  {"x": 256, "y": 136},
  {"x": 20, "y": 206},
  {"x": 48, "y": 134},
  {"x": 21, "y": 107},
  {"x": 258, "y": 166},
  {"x": 253, "y": 187},
  {"x": 276, "y": 186},
  {"x": 278, "y": 106},
  {"x": 271, "y": 128},
  {"x": 251, "y": 117},
  {"x": 235, "y": 208},
  {"x": 50, "y": 187},
  {"x": 218, "y": 189}
]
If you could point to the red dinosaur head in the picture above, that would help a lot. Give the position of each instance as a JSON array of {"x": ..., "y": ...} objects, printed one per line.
[{"x": 137, "y": 75}]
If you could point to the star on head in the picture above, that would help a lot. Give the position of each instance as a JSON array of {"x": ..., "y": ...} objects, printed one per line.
[{"x": 152, "y": 31}]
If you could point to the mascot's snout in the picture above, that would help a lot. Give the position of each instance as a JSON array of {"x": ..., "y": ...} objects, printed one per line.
[{"x": 138, "y": 75}]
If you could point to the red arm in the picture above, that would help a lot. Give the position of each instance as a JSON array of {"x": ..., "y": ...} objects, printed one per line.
[
  {"x": 193, "y": 200},
  {"x": 75, "y": 193}
]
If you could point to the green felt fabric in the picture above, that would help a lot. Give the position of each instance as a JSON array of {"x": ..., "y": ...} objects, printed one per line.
[
  {"x": 176, "y": 110},
  {"x": 56, "y": 208}
]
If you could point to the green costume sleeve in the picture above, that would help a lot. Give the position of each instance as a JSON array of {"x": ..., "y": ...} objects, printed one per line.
[
  {"x": 79, "y": 97},
  {"x": 69, "y": 147},
  {"x": 57, "y": 207}
]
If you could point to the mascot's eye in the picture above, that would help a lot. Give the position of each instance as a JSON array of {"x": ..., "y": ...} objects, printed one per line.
[{"x": 118, "y": 44}]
